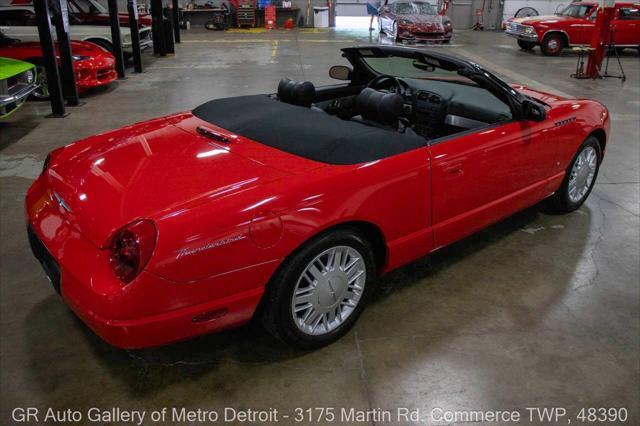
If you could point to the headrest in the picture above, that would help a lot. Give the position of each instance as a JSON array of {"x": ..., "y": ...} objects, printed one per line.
[
  {"x": 300, "y": 93},
  {"x": 384, "y": 108}
]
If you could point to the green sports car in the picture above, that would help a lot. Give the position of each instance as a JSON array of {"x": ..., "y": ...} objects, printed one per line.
[{"x": 17, "y": 81}]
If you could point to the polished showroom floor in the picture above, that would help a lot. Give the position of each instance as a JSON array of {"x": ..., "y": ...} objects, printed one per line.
[{"x": 539, "y": 310}]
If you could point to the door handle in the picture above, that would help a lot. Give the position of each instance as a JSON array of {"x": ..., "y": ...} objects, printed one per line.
[{"x": 454, "y": 170}]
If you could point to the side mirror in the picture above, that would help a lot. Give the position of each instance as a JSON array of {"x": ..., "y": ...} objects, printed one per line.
[
  {"x": 533, "y": 111},
  {"x": 340, "y": 72}
]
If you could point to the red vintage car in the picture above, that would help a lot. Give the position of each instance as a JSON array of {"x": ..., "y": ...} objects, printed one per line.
[
  {"x": 94, "y": 66},
  {"x": 414, "y": 21},
  {"x": 288, "y": 206},
  {"x": 574, "y": 26}
]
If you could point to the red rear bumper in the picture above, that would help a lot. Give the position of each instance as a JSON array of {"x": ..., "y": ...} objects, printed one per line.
[{"x": 150, "y": 311}]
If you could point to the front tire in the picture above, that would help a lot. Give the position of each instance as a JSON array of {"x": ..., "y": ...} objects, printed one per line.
[
  {"x": 580, "y": 177},
  {"x": 526, "y": 45},
  {"x": 552, "y": 45},
  {"x": 318, "y": 294}
]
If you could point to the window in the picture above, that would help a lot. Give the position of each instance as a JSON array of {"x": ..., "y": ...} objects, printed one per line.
[
  {"x": 17, "y": 18},
  {"x": 576, "y": 10},
  {"x": 399, "y": 66},
  {"x": 414, "y": 8},
  {"x": 629, "y": 13},
  {"x": 88, "y": 7}
]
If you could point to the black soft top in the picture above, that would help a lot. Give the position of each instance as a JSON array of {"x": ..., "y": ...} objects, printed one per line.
[{"x": 305, "y": 132}]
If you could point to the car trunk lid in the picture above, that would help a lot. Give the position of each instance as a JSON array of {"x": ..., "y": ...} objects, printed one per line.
[{"x": 146, "y": 170}]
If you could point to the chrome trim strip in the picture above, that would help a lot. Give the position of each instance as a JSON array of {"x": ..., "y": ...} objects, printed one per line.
[
  {"x": 465, "y": 123},
  {"x": 18, "y": 96}
]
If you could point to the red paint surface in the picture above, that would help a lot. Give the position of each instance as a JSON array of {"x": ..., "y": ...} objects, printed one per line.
[
  {"x": 243, "y": 207},
  {"x": 95, "y": 71},
  {"x": 580, "y": 31}
]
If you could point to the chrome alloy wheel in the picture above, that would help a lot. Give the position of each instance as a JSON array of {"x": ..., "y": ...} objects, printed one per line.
[
  {"x": 328, "y": 290},
  {"x": 582, "y": 174}
]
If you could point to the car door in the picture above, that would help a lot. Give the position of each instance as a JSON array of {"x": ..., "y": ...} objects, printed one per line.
[
  {"x": 581, "y": 29},
  {"x": 626, "y": 25},
  {"x": 483, "y": 176}
]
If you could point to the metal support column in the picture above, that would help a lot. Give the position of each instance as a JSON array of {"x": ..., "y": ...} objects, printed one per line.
[
  {"x": 68, "y": 78},
  {"x": 176, "y": 21},
  {"x": 116, "y": 40},
  {"x": 50, "y": 63},
  {"x": 132, "y": 8},
  {"x": 157, "y": 28}
]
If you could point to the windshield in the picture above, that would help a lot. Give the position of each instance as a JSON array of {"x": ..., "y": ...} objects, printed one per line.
[
  {"x": 414, "y": 8},
  {"x": 90, "y": 7},
  {"x": 576, "y": 10},
  {"x": 398, "y": 66}
]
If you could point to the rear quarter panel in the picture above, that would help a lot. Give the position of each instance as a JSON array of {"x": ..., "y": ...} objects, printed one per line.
[{"x": 258, "y": 228}]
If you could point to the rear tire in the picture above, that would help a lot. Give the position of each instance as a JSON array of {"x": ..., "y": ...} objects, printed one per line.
[
  {"x": 552, "y": 45},
  {"x": 526, "y": 45},
  {"x": 292, "y": 319},
  {"x": 580, "y": 177}
]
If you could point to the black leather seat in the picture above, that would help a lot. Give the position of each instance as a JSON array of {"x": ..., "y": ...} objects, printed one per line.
[
  {"x": 301, "y": 93},
  {"x": 379, "y": 109}
]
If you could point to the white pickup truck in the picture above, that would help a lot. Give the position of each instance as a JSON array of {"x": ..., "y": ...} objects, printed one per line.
[{"x": 19, "y": 22}]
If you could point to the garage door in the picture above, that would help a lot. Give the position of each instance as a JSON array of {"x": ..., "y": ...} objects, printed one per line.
[
  {"x": 351, "y": 8},
  {"x": 461, "y": 13}
]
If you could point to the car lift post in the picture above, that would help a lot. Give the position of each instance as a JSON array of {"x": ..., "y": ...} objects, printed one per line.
[
  {"x": 60, "y": 17},
  {"x": 116, "y": 41},
  {"x": 600, "y": 39},
  {"x": 132, "y": 8},
  {"x": 176, "y": 21},
  {"x": 50, "y": 63},
  {"x": 157, "y": 28}
]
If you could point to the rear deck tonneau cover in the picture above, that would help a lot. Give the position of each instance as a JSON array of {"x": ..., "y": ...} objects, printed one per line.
[{"x": 305, "y": 132}]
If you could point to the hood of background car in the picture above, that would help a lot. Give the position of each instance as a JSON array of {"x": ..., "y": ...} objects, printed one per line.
[
  {"x": 144, "y": 171},
  {"x": 545, "y": 19},
  {"x": 27, "y": 49},
  {"x": 11, "y": 67},
  {"x": 421, "y": 19}
]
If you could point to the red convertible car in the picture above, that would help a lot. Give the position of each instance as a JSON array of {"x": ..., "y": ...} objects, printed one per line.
[
  {"x": 574, "y": 27},
  {"x": 288, "y": 206},
  {"x": 94, "y": 66},
  {"x": 414, "y": 21}
]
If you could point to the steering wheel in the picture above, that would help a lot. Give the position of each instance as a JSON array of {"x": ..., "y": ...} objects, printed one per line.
[{"x": 389, "y": 83}]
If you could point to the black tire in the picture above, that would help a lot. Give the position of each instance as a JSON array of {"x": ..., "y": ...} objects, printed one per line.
[
  {"x": 552, "y": 44},
  {"x": 277, "y": 314},
  {"x": 526, "y": 45},
  {"x": 561, "y": 201},
  {"x": 102, "y": 43}
]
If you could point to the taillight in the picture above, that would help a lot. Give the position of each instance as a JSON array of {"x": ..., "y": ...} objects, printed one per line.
[{"x": 131, "y": 248}]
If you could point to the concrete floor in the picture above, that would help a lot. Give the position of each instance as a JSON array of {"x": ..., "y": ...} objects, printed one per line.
[{"x": 540, "y": 310}]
